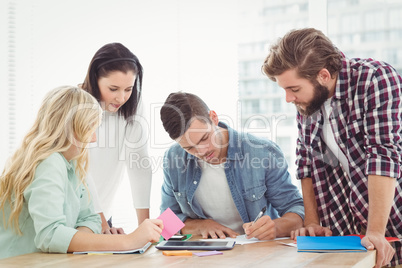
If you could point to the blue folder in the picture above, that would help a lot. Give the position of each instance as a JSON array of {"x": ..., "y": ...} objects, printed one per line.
[{"x": 323, "y": 244}]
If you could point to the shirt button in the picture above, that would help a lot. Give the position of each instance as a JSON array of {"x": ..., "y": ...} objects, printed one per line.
[
  {"x": 254, "y": 196},
  {"x": 195, "y": 182},
  {"x": 179, "y": 194}
]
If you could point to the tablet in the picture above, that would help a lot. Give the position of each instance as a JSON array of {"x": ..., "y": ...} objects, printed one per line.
[{"x": 200, "y": 245}]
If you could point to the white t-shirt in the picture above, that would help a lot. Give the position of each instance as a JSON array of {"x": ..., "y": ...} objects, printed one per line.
[
  {"x": 213, "y": 194},
  {"x": 120, "y": 147},
  {"x": 329, "y": 138}
]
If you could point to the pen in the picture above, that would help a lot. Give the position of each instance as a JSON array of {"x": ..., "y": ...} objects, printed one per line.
[{"x": 260, "y": 214}]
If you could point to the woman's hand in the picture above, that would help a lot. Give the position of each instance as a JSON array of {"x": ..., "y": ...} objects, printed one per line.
[{"x": 147, "y": 231}]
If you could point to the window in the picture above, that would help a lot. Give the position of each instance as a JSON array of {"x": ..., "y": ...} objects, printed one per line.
[{"x": 180, "y": 50}]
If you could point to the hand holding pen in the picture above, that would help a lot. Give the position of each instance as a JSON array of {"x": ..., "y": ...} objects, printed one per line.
[
  {"x": 260, "y": 214},
  {"x": 263, "y": 227}
]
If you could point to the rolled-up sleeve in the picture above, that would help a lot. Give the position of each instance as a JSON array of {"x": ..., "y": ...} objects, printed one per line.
[
  {"x": 382, "y": 124},
  {"x": 45, "y": 198},
  {"x": 57, "y": 204}
]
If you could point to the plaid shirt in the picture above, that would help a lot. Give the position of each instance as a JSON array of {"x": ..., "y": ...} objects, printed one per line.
[{"x": 366, "y": 121}]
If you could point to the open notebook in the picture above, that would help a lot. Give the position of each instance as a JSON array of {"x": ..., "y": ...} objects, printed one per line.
[{"x": 133, "y": 251}]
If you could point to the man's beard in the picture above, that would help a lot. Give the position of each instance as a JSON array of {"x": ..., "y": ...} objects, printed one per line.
[{"x": 321, "y": 94}]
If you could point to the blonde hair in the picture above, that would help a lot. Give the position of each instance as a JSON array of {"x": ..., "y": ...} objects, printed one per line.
[{"x": 68, "y": 115}]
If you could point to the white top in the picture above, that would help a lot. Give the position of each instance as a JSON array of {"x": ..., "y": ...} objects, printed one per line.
[
  {"x": 120, "y": 147},
  {"x": 215, "y": 198},
  {"x": 329, "y": 138}
]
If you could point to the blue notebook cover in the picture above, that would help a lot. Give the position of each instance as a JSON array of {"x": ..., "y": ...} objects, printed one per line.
[{"x": 329, "y": 244}]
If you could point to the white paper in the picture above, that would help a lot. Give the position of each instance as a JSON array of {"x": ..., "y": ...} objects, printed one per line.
[
  {"x": 242, "y": 239},
  {"x": 293, "y": 244}
]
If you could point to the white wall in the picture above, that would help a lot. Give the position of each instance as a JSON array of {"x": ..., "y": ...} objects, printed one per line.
[
  {"x": 3, "y": 84},
  {"x": 184, "y": 45}
]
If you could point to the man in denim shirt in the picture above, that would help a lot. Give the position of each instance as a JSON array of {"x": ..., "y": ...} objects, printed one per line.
[{"x": 217, "y": 180}]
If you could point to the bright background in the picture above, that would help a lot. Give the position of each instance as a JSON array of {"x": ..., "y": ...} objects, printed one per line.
[
  {"x": 212, "y": 48},
  {"x": 183, "y": 45}
]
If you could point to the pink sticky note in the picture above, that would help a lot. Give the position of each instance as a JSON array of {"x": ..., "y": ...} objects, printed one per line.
[
  {"x": 171, "y": 223},
  {"x": 207, "y": 253}
]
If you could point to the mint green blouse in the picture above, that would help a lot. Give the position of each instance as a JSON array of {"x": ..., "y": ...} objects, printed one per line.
[{"x": 55, "y": 204}]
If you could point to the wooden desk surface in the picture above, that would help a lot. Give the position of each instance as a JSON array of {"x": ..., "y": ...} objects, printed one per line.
[{"x": 263, "y": 254}]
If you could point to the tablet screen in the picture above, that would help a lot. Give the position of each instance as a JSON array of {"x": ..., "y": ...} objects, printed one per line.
[
  {"x": 202, "y": 245},
  {"x": 195, "y": 243}
]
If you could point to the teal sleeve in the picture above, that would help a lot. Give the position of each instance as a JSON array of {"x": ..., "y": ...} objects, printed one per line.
[
  {"x": 88, "y": 217},
  {"x": 54, "y": 201}
]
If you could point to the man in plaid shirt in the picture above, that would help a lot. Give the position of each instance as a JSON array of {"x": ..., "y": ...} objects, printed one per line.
[{"x": 350, "y": 139}]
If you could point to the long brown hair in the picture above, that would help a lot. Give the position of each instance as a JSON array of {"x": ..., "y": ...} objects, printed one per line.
[{"x": 115, "y": 57}]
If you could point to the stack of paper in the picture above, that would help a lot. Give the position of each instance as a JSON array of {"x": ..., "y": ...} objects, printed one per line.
[{"x": 242, "y": 239}]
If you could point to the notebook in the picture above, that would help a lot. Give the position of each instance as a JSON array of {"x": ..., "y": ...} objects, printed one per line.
[
  {"x": 329, "y": 244},
  {"x": 388, "y": 238},
  {"x": 133, "y": 251}
]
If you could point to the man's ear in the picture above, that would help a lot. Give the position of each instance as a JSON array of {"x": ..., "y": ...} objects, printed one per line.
[
  {"x": 323, "y": 76},
  {"x": 214, "y": 117}
]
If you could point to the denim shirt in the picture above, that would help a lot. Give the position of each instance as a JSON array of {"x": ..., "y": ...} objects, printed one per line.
[{"x": 257, "y": 175}]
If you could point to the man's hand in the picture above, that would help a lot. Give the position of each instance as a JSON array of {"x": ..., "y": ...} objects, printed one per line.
[
  {"x": 263, "y": 229},
  {"x": 381, "y": 193},
  {"x": 207, "y": 228},
  {"x": 311, "y": 230},
  {"x": 385, "y": 251}
]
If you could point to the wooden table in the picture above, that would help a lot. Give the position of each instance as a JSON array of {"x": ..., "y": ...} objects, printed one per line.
[{"x": 262, "y": 254}]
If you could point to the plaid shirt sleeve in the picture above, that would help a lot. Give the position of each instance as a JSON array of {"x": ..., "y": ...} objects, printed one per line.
[{"x": 383, "y": 123}]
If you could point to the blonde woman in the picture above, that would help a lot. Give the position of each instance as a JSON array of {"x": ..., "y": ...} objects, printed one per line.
[{"x": 44, "y": 202}]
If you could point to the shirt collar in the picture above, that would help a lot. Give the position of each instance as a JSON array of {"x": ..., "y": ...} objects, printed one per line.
[
  {"x": 342, "y": 88},
  {"x": 69, "y": 164}
]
